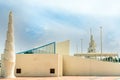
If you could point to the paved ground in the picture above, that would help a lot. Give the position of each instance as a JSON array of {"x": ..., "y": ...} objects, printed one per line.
[{"x": 66, "y": 78}]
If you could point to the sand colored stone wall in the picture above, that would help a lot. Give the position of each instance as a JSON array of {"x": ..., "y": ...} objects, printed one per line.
[
  {"x": 63, "y": 48},
  {"x": 0, "y": 68},
  {"x": 0, "y": 71},
  {"x": 38, "y": 64},
  {"x": 76, "y": 66}
]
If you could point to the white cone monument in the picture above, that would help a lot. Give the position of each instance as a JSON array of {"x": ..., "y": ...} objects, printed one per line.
[{"x": 9, "y": 56}]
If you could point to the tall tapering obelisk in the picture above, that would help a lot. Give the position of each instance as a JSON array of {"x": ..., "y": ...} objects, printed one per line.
[{"x": 9, "y": 56}]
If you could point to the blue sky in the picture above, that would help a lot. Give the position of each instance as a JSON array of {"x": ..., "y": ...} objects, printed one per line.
[{"x": 38, "y": 22}]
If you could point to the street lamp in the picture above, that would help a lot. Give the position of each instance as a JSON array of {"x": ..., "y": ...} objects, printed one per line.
[
  {"x": 101, "y": 38},
  {"x": 81, "y": 46}
]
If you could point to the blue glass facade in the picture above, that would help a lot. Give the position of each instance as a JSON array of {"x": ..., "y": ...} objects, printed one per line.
[{"x": 45, "y": 49}]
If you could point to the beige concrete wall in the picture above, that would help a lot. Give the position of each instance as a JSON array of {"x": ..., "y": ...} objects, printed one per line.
[
  {"x": 0, "y": 72},
  {"x": 38, "y": 64},
  {"x": 0, "y": 68},
  {"x": 63, "y": 48},
  {"x": 60, "y": 65},
  {"x": 76, "y": 66}
]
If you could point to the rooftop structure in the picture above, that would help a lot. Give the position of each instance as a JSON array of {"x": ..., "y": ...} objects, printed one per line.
[
  {"x": 46, "y": 49},
  {"x": 92, "y": 44},
  {"x": 98, "y": 55}
]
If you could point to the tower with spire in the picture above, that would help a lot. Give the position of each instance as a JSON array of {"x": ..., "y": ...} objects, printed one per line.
[
  {"x": 92, "y": 44},
  {"x": 9, "y": 56}
]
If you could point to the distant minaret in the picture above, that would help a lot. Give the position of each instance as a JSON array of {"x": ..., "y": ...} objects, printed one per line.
[
  {"x": 92, "y": 44},
  {"x": 9, "y": 56}
]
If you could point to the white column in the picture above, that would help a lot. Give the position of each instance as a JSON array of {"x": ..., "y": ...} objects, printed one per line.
[{"x": 9, "y": 56}]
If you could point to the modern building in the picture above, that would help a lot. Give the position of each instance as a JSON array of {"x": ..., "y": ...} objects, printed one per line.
[
  {"x": 53, "y": 59},
  {"x": 50, "y": 48}
]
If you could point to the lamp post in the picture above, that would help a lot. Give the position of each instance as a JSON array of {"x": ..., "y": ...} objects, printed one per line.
[
  {"x": 101, "y": 39},
  {"x": 81, "y": 45}
]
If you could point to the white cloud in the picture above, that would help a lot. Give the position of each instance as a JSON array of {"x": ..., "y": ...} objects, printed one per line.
[
  {"x": 29, "y": 9},
  {"x": 89, "y": 7}
]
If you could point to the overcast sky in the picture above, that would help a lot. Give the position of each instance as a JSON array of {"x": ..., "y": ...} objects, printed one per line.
[{"x": 39, "y": 22}]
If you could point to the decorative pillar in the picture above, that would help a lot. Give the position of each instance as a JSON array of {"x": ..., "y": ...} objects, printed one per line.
[{"x": 9, "y": 56}]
